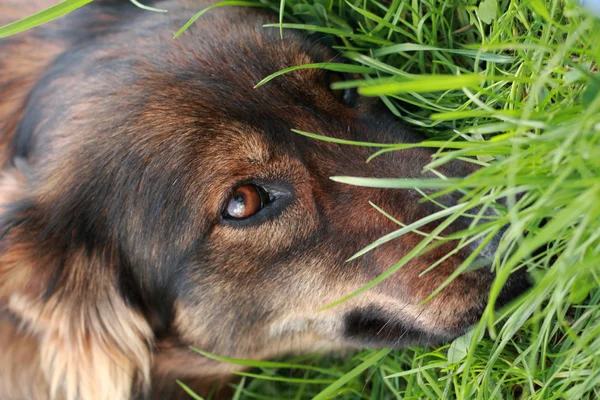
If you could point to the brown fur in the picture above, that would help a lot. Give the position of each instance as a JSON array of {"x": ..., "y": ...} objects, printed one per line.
[{"x": 119, "y": 147}]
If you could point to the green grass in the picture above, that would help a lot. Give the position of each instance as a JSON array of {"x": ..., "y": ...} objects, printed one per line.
[{"x": 513, "y": 86}]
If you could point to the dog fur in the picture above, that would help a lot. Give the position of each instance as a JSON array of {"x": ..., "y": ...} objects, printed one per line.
[{"x": 119, "y": 147}]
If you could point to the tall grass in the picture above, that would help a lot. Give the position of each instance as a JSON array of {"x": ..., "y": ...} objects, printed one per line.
[{"x": 513, "y": 86}]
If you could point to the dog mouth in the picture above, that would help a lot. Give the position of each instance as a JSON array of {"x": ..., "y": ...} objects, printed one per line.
[{"x": 372, "y": 327}]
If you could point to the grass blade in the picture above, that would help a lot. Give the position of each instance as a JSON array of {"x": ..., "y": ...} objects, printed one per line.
[
  {"x": 42, "y": 17},
  {"x": 227, "y": 3},
  {"x": 371, "y": 361}
]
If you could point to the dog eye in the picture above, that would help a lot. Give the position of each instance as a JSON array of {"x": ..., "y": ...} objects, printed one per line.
[
  {"x": 345, "y": 96},
  {"x": 246, "y": 201}
]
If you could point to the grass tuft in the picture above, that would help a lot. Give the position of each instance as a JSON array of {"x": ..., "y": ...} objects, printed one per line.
[{"x": 514, "y": 87}]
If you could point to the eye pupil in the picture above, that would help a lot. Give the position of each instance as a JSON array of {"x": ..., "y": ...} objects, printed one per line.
[{"x": 246, "y": 201}]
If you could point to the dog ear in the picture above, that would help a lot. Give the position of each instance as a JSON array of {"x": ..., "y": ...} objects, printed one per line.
[{"x": 92, "y": 343}]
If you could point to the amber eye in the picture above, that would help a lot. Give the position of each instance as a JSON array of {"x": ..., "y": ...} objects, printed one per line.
[{"x": 246, "y": 201}]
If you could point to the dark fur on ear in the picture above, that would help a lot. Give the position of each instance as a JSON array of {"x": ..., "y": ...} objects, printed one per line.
[{"x": 91, "y": 343}]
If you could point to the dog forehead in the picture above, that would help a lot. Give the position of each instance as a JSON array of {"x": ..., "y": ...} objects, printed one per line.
[{"x": 237, "y": 142}]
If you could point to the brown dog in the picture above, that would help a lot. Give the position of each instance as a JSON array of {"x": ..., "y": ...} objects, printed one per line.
[{"x": 151, "y": 199}]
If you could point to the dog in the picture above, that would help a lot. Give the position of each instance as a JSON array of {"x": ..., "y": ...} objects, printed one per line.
[{"x": 151, "y": 199}]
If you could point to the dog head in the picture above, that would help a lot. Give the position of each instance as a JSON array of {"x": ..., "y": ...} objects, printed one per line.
[{"x": 165, "y": 202}]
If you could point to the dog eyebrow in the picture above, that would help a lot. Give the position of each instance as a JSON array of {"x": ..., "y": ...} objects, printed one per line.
[
  {"x": 251, "y": 145},
  {"x": 257, "y": 151}
]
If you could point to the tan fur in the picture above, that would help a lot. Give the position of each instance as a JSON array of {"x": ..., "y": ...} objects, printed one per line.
[
  {"x": 20, "y": 360},
  {"x": 86, "y": 354},
  {"x": 12, "y": 186}
]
